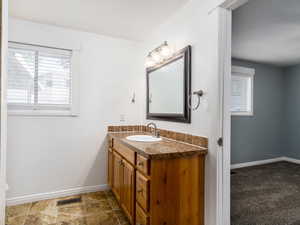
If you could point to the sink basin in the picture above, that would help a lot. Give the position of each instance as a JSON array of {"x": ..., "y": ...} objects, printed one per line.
[{"x": 143, "y": 138}]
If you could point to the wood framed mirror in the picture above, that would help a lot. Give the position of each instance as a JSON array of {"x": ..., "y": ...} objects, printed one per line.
[{"x": 169, "y": 88}]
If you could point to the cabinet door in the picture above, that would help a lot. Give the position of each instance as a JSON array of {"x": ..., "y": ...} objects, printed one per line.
[
  {"x": 141, "y": 218},
  {"x": 117, "y": 178},
  {"x": 127, "y": 198},
  {"x": 110, "y": 168}
]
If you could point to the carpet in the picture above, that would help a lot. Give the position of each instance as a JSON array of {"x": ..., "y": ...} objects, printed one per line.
[{"x": 266, "y": 195}]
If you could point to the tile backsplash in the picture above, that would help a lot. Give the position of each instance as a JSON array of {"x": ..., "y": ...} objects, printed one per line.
[{"x": 183, "y": 137}]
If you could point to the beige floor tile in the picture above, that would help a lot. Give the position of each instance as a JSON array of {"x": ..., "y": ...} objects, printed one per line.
[
  {"x": 109, "y": 193},
  {"x": 96, "y": 207},
  {"x": 70, "y": 212},
  {"x": 17, "y": 220},
  {"x": 124, "y": 222},
  {"x": 47, "y": 207},
  {"x": 18, "y": 210},
  {"x": 78, "y": 221},
  {"x": 113, "y": 203},
  {"x": 120, "y": 215},
  {"x": 102, "y": 218},
  {"x": 99, "y": 208},
  {"x": 39, "y": 219},
  {"x": 94, "y": 196}
]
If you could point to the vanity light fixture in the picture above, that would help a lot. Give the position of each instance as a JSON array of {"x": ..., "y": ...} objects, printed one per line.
[
  {"x": 158, "y": 55},
  {"x": 149, "y": 61}
]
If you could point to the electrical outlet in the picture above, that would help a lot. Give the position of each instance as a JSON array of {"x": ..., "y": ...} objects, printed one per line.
[{"x": 122, "y": 118}]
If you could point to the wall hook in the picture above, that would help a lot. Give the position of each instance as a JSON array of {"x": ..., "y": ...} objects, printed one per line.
[
  {"x": 199, "y": 94},
  {"x": 133, "y": 98}
]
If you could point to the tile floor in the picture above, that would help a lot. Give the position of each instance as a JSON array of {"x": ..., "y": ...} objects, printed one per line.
[{"x": 98, "y": 208}]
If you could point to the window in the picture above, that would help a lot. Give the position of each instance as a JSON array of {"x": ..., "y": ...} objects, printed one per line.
[
  {"x": 242, "y": 91},
  {"x": 39, "y": 80}
]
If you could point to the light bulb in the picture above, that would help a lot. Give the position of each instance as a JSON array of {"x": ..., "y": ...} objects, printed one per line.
[
  {"x": 165, "y": 51},
  {"x": 149, "y": 62},
  {"x": 156, "y": 57}
]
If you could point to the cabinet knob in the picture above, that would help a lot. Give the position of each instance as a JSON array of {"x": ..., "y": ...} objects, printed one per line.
[{"x": 140, "y": 163}]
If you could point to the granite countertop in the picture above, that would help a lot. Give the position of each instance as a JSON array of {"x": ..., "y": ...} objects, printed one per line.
[{"x": 167, "y": 148}]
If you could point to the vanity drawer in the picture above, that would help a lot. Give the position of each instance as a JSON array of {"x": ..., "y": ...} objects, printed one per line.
[
  {"x": 142, "y": 191},
  {"x": 143, "y": 164},
  {"x": 141, "y": 217},
  {"x": 126, "y": 152}
]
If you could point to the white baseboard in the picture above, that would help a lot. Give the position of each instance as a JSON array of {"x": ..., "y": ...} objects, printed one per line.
[
  {"x": 55, "y": 194},
  {"x": 267, "y": 161},
  {"x": 256, "y": 163},
  {"x": 292, "y": 160}
]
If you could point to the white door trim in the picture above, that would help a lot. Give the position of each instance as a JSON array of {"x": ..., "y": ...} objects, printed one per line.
[
  {"x": 224, "y": 69},
  {"x": 233, "y": 4},
  {"x": 228, "y": 4},
  {"x": 223, "y": 201},
  {"x": 3, "y": 116}
]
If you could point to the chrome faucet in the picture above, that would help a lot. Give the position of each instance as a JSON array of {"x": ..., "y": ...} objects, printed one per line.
[{"x": 155, "y": 131}]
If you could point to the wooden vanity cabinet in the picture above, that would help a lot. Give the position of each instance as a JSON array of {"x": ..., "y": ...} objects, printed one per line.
[
  {"x": 127, "y": 197},
  {"x": 110, "y": 167},
  {"x": 142, "y": 164},
  {"x": 117, "y": 175},
  {"x": 157, "y": 191},
  {"x": 121, "y": 178},
  {"x": 142, "y": 191}
]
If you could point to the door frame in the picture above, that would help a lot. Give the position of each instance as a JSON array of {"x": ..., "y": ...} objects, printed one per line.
[
  {"x": 224, "y": 70},
  {"x": 3, "y": 106}
]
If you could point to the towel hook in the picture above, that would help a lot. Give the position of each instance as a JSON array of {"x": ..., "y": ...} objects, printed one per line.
[
  {"x": 133, "y": 98},
  {"x": 199, "y": 94}
]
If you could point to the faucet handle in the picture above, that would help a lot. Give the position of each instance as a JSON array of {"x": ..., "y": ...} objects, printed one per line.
[{"x": 158, "y": 134}]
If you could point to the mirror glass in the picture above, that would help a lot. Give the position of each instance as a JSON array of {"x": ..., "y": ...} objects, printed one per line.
[{"x": 168, "y": 88}]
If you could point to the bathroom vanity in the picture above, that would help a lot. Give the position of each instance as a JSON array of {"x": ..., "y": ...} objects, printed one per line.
[{"x": 158, "y": 183}]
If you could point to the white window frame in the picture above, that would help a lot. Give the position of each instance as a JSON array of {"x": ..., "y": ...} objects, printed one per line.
[
  {"x": 75, "y": 73},
  {"x": 245, "y": 72}
]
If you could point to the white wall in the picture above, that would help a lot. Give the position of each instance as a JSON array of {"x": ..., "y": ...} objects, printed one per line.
[
  {"x": 194, "y": 26},
  {"x": 57, "y": 153},
  {"x": 191, "y": 26}
]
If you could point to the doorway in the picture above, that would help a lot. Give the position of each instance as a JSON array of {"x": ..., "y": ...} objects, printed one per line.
[{"x": 251, "y": 81}]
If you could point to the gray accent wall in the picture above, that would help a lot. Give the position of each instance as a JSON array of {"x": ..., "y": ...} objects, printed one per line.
[
  {"x": 259, "y": 137},
  {"x": 292, "y": 112}
]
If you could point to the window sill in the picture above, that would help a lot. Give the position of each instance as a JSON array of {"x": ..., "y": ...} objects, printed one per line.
[
  {"x": 241, "y": 113},
  {"x": 41, "y": 113}
]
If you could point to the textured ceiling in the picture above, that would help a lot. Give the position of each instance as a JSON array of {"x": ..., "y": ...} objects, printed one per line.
[
  {"x": 267, "y": 31},
  {"x": 133, "y": 19}
]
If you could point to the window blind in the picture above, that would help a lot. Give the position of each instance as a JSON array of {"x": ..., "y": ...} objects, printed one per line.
[
  {"x": 39, "y": 78},
  {"x": 240, "y": 93}
]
